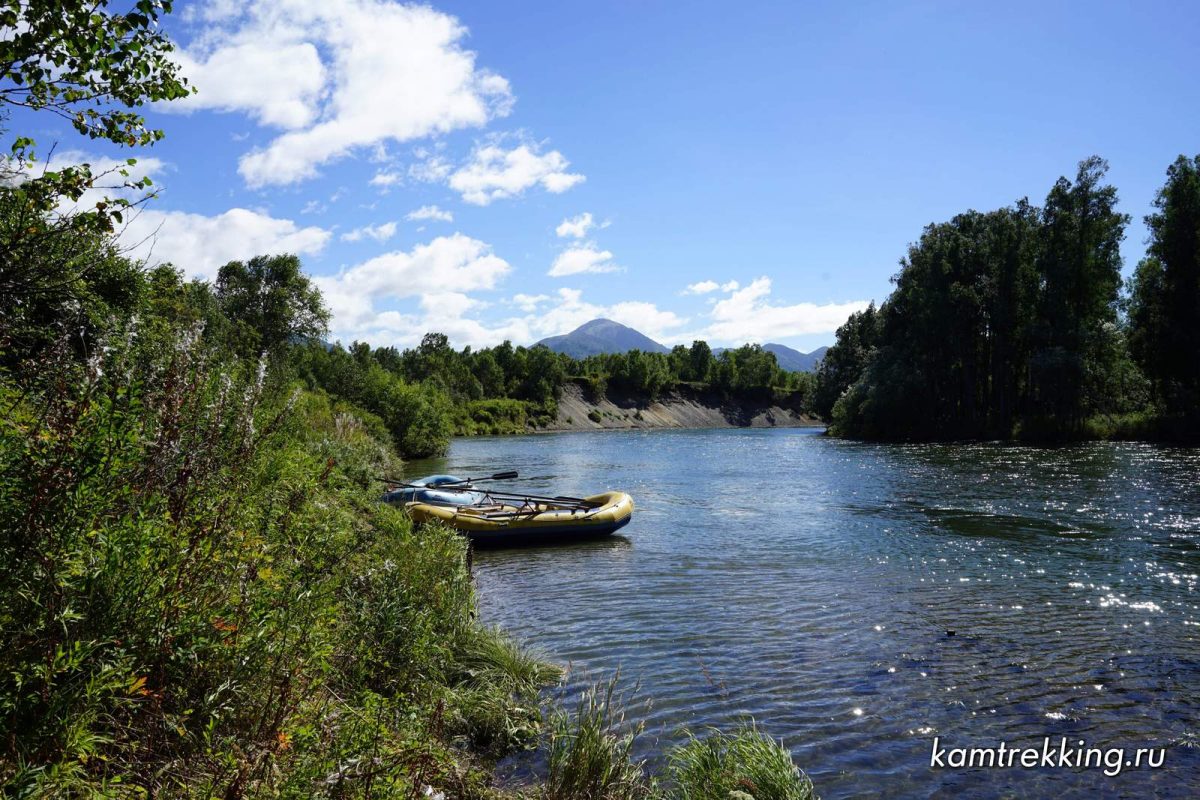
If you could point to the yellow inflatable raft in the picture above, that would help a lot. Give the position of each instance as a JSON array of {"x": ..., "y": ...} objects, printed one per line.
[{"x": 514, "y": 522}]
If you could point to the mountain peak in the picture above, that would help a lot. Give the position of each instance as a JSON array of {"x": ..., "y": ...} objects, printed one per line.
[{"x": 601, "y": 336}]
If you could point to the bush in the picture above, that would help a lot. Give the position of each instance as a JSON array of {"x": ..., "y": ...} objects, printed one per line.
[
  {"x": 715, "y": 767},
  {"x": 200, "y": 593},
  {"x": 588, "y": 754},
  {"x": 492, "y": 417},
  {"x": 594, "y": 415}
]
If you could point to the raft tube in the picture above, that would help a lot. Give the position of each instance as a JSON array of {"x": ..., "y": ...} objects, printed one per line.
[
  {"x": 454, "y": 497},
  {"x": 510, "y": 524}
]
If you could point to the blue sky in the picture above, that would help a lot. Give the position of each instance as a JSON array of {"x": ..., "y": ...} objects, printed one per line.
[{"x": 792, "y": 150}]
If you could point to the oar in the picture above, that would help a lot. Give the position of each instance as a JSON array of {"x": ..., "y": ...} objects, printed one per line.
[
  {"x": 560, "y": 499},
  {"x": 499, "y": 476}
]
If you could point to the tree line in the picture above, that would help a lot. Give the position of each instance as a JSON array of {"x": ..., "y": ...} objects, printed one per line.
[{"x": 1016, "y": 323}]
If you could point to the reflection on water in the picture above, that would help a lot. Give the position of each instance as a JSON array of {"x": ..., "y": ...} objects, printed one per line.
[{"x": 814, "y": 584}]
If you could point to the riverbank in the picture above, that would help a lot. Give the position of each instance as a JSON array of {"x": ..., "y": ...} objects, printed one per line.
[{"x": 682, "y": 407}]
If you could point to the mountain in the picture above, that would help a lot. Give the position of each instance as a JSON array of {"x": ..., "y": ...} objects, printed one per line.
[
  {"x": 601, "y": 336},
  {"x": 606, "y": 336},
  {"x": 789, "y": 358},
  {"x": 793, "y": 360}
]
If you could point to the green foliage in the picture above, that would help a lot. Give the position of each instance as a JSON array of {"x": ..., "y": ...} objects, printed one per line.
[
  {"x": 594, "y": 416},
  {"x": 87, "y": 65},
  {"x": 201, "y": 593},
  {"x": 857, "y": 339},
  {"x": 1079, "y": 263},
  {"x": 92, "y": 67},
  {"x": 1002, "y": 323},
  {"x": 1164, "y": 309},
  {"x": 493, "y": 417},
  {"x": 56, "y": 280},
  {"x": 744, "y": 761},
  {"x": 270, "y": 302},
  {"x": 588, "y": 753}
]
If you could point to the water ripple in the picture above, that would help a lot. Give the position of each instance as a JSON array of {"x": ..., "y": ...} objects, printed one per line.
[{"x": 858, "y": 600}]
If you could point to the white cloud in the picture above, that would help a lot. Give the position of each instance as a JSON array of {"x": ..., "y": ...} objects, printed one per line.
[
  {"x": 286, "y": 83},
  {"x": 380, "y": 233},
  {"x": 748, "y": 316},
  {"x": 582, "y": 258},
  {"x": 430, "y": 169},
  {"x": 196, "y": 243},
  {"x": 431, "y": 213},
  {"x": 200, "y": 244},
  {"x": 731, "y": 286},
  {"x": 529, "y": 302},
  {"x": 459, "y": 261},
  {"x": 576, "y": 227},
  {"x": 703, "y": 287},
  {"x": 494, "y": 173},
  {"x": 386, "y": 180},
  {"x": 337, "y": 76}
]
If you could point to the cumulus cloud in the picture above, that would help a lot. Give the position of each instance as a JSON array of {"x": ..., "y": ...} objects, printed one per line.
[
  {"x": 529, "y": 302},
  {"x": 430, "y": 168},
  {"x": 200, "y": 245},
  {"x": 385, "y": 179},
  {"x": 288, "y": 77},
  {"x": 380, "y": 233},
  {"x": 747, "y": 315},
  {"x": 575, "y": 227},
  {"x": 196, "y": 243},
  {"x": 337, "y": 76},
  {"x": 494, "y": 173},
  {"x": 448, "y": 261},
  {"x": 580, "y": 259},
  {"x": 703, "y": 287},
  {"x": 430, "y": 213}
]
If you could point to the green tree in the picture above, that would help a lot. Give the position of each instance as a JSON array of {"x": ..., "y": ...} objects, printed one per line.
[
  {"x": 701, "y": 357},
  {"x": 272, "y": 302},
  {"x": 1165, "y": 301},
  {"x": 1080, "y": 267},
  {"x": 93, "y": 67},
  {"x": 80, "y": 61},
  {"x": 845, "y": 361}
]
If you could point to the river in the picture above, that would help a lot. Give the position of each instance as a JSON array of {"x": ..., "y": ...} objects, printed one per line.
[{"x": 859, "y": 600}]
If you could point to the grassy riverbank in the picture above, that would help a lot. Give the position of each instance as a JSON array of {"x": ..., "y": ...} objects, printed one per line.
[{"x": 203, "y": 596}]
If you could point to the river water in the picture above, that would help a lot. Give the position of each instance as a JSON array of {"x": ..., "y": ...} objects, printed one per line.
[{"x": 859, "y": 600}]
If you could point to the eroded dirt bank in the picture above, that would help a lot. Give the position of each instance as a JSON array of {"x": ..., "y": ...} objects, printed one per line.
[{"x": 681, "y": 408}]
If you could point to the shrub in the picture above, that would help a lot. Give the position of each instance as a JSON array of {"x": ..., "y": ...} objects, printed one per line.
[
  {"x": 715, "y": 767},
  {"x": 200, "y": 594},
  {"x": 588, "y": 754},
  {"x": 594, "y": 415}
]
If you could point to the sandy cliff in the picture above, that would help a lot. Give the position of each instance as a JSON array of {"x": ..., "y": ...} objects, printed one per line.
[{"x": 682, "y": 408}]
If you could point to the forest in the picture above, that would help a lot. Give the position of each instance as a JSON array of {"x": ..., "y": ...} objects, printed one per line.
[{"x": 1015, "y": 323}]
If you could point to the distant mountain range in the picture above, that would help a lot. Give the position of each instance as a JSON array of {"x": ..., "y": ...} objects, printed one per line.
[
  {"x": 791, "y": 359},
  {"x": 605, "y": 336}
]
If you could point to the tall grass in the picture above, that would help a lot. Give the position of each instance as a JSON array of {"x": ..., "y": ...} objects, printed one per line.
[
  {"x": 496, "y": 691},
  {"x": 589, "y": 753},
  {"x": 748, "y": 761},
  {"x": 201, "y": 595}
]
